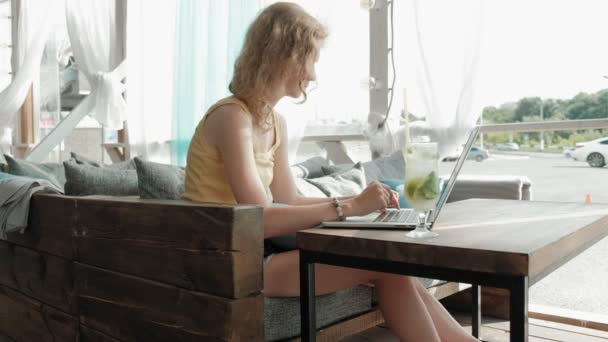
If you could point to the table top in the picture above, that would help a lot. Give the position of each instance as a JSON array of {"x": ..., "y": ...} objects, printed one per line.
[{"x": 483, "y": 235}]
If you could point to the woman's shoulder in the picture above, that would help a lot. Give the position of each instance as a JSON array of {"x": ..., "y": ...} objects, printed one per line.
[
  {"x": 231, "y": 103},
  {"x": 228, "y": 114}
]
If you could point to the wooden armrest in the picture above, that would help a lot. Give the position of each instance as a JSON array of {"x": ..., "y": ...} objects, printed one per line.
[{"x": 216, "y": 249}]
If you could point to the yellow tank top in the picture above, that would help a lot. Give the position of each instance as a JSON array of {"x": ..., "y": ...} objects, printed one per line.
[{"x": 205, "y": 178}]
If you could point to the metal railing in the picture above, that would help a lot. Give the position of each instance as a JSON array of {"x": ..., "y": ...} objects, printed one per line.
[{"x": 337, "y": 151}]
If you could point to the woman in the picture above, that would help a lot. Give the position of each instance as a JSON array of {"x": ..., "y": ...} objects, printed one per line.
[{"x": 239, "y": 155}]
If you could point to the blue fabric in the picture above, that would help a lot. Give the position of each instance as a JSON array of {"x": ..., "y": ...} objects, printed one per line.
[
  {"x": 6, "y": 175},
  {"x": 397, "y": 185},
  {"x": 209, "y": 37}
]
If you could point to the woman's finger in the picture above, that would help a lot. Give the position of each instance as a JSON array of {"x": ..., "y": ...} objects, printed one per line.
[{"x": 395, "y": 199}]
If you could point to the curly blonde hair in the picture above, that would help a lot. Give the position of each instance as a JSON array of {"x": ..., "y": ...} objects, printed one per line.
[{"x": 282, "y": 36}]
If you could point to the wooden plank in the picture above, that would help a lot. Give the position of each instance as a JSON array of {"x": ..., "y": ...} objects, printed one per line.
[
  {"x": 135, "y": 309},
  {"x": 573, "y": 318},
  {"x": 538, "y": 329},
  {"x": 214, "y": 249},
  {"x": 209, "y": 271},
  {"x": 569, "y": 327},
  {"x": 494, "y": 302},
  {"x": 91, "y": 335},
  {"x": 38, "y": 275},
  {"x": 23, "y": 319},
  {"x": 548, "y": 333},
  {"x": 188, "y": 225},
  {"x": 447, "y": 289},
  {"x": 52, "y": 220}
]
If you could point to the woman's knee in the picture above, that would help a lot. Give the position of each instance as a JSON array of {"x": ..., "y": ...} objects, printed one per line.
[{"x": 397, "y": 279}]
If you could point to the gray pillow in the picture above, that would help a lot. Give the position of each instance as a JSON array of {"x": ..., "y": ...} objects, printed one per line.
[
  {"x": 307, "y": 189},
  {"x": 391, "y": 167},
  {"x": 85, "y": 180},
  {"x": 346, "y": 183},
  {"x": 310, "y": 168},
  {"x": 53, "y": 172},
  {"x": 124, "y": 165},
  {"x": 159, "y": 181}
]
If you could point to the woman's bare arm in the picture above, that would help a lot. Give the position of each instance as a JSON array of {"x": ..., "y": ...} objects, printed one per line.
[{"x": 283, "y": 186}]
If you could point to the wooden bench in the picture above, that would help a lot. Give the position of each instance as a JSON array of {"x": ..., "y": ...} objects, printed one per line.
[{"x": 120, "y": 269}]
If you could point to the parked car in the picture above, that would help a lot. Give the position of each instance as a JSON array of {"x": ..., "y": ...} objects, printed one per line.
[
  {"x": 568, "y": 151},
  {"x": 510, "y": 146},
  {"x": 594, "y": 152},
  {"x": 478, "y": 153}
]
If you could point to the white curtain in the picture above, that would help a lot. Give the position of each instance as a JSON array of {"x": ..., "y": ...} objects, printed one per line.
[
  {"x": 98, "y": 54},
  {"x": 36, "y": 18},
  {"x": 437, "y": 56},
  {"x": 150, "y": 73}
]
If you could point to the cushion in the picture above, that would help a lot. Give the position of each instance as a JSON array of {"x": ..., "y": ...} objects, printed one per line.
[
  {"x": 85, "y": 180},
  {"x": 53, "y": 172},
  {"x": 346, "y": 183},
  {"x": 491, "y": 186},
  {"x": 282, "y": 315},
  {"x": 159, "y": 181},
  {"x": 307, "y": 189},
  {"x": 124, "y": 165},
  {"x": 391, "y": 167},
  {"x": 311, "y": 168},
  {"x": 4, "y": 175}
]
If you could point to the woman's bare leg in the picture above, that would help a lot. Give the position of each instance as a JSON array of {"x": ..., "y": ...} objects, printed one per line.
[
  {"x": 447, "y": 327},
  {"x": 401, "y": 305}
]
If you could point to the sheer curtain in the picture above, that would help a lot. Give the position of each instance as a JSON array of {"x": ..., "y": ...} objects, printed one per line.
[
  {"x": 150, "y": 73},
  {"x": 98, "y": 54},
  {"x": 35, "y": 22},
  {"x": 208, "y": 39},
  {"x": 437, "y": 56}
]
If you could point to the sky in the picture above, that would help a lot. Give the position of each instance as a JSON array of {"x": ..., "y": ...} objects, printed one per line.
[{"x": 548, "y": 48}]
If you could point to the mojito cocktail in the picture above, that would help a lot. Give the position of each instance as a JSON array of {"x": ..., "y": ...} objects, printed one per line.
[{"x": 422, "y": 183}]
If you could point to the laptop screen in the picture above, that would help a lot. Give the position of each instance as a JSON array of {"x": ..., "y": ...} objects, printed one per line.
[{"x": 447, "y": 189}]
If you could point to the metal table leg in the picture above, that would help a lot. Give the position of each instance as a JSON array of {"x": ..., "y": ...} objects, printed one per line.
[
  {"x": 518, "y": 313},
  {"x": 307, "y": 299},
  {"x": 476, "y": 308}
]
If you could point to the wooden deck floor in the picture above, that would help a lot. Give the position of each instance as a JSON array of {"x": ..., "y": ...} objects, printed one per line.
[{"x": 495, "y": 330}]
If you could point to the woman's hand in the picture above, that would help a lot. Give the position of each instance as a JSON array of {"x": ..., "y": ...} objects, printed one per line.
[{"x": 376, "y": 196}]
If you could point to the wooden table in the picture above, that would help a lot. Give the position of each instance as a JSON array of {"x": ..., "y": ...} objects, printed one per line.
[{"x": 497, "y": 243}]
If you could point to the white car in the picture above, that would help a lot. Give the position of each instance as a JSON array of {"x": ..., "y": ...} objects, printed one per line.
[
  {"x": 510, "y": 146},
  {"x": 594, "y": 152}
]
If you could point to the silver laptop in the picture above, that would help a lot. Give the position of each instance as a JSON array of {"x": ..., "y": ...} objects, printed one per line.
[{"x": 406, "y": 218}]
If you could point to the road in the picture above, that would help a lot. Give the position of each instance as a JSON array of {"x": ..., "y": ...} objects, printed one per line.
[{"x": 579, "y": 285}]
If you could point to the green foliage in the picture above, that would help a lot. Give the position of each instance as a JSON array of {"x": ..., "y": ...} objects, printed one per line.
[{"x": 582, "y": 106}]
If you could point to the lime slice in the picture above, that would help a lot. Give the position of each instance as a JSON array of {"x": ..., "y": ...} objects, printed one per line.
[
  {"x": 412, "y": 185},
  {"x": 429, "y": 188}
]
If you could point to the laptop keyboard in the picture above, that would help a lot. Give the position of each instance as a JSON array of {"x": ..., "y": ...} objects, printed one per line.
[{"x": 399, "y": 216}]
